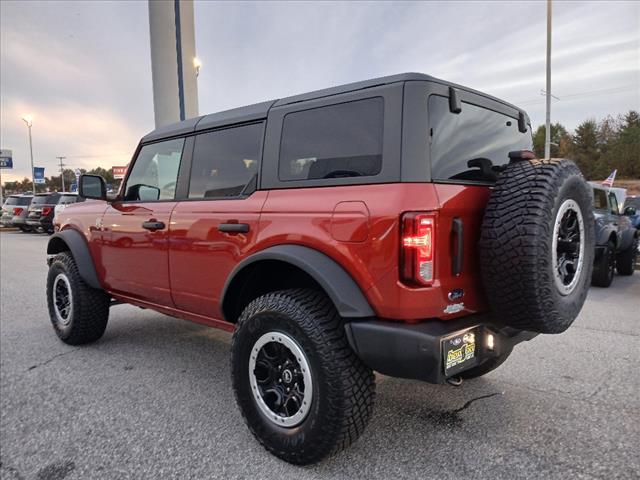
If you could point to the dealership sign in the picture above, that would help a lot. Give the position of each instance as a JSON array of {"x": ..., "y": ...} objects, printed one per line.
[
  {"x": 38, "y": 174},
  {"x": 6, "y": 159},
  {"x": 119, "y": 172}
]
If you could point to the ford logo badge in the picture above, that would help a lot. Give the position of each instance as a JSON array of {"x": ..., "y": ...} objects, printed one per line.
[{"x": 456, "y": 294}]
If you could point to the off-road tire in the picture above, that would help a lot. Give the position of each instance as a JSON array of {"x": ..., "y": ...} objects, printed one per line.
[
  {"x": 626, "y": 260},
  {"x": 90, "y": 307},
  {"x": 604, "y": 267},
  {"x": 343, "y": 387},
  {"x": 517, "y": 245},
  {"x": 488, "y": 366}
]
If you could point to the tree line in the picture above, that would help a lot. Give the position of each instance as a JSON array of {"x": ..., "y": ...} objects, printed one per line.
[
  {"x": 598, "y": 148},
  {"x": 54, "y": 182}
]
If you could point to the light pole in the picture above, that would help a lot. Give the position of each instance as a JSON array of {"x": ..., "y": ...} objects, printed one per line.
[
  {"x": 28, "y": 119},
  {"x": 547, "y": 129}
]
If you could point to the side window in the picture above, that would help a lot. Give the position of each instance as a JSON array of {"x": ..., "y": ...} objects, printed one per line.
[
  {"x": 155, "y": 172},
  {"x": 225, "y": 161},
  {"x": 335, "y": 141},
  {"x": 600, "y": 199},
  {"x": 614, "y": 203},
  {"x": 472, "y": 145}
]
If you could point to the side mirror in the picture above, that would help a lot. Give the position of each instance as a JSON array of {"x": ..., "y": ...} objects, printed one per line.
[
  {"x": 92, "y": 186},
  {"x": 630, "y": 211}
]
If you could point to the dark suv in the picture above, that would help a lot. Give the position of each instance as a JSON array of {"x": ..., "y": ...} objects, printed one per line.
[
  {"x": 41, "y": 211},
  {"x": 399, "y": 224},
  {"x": 616, "y": 238}
]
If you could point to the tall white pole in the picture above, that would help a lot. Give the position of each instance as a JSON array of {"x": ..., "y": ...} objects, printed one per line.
[
  {"x": 547, "y": 129},
  {"x": 33, "y": 180}
]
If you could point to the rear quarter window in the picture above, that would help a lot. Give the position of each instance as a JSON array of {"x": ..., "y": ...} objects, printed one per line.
[
  {"x": 334, "y": 141},
  {"x": 600, "y": 199},
  {"x": 473, "y": 145}
]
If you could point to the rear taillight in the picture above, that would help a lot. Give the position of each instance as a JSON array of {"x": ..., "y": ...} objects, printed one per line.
[
  {"x": 17, "y": 211},
  {"x": 418, "y": 247},
  {"x": 46, "y": 211}
]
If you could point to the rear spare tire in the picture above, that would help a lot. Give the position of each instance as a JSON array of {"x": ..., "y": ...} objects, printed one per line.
[{"x": 537, "y": 245}]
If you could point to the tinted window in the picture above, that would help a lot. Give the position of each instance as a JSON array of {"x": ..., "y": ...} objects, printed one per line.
[
  {"x": 24, "y": 200},
  {"x": 225, "y": 161},
  {"x": 632, "y": 202},
  {"x": 155, "y": 172},
  {"x": 11, "y": 201},
  {"x": 46, "y": 199},
  {"x": 472, "y": 145},
  {"x": 600, "y": 199},
  {"x": 336, "y": 141},
  {"x": 614, "y": 203}
]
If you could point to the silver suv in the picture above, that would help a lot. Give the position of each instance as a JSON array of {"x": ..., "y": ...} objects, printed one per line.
[{"x": 14, "y": 212}]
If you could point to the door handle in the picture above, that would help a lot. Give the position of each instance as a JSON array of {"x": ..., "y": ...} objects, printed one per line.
[
  {"x": 458, "y": 231},
  {"x": 233, "y": 227},
  {"x": 153, "y": 225}
]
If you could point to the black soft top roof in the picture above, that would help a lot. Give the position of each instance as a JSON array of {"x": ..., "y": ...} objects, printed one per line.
[{"x": 259, "y": 111}]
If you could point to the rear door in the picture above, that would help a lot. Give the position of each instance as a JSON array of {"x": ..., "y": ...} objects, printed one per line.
[
  {"x": 135, "y": 230},
  {"x": 217, "y": 224}
]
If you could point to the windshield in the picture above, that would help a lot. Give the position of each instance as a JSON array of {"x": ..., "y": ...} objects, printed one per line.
[
  {"x": 632, "y": 202},
  {"x": 45, "y": 199}
]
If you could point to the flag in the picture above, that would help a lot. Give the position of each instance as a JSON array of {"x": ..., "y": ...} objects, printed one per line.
[{"x": 609, "y": 181}]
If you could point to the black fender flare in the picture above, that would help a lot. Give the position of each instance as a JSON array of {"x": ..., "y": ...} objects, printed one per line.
[
  {"x": 74, "y": 241},
  {"x": 343, "y": 291}
]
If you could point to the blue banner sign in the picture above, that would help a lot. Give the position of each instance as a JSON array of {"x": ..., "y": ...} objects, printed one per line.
[
  {"x": 38, "y": 174},
  {"x": 6, "y": 159}
]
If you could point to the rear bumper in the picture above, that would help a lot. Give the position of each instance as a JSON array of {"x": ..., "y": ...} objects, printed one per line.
[
  {"x": 45, "y": 222},
  {"x": 417, "y": 350},
  {"x": 19, "y": 221},
  {"x": 6, "y": 221}
]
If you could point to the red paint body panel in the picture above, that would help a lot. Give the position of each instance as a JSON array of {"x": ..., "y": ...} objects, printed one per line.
[
  {"x": 136, "y": 260},
  {"x": 201, "y": 258},
  {"x": 181, "y": 270}
]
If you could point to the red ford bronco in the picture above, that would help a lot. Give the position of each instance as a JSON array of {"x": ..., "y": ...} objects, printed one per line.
[{"x": 399, "y": 224}]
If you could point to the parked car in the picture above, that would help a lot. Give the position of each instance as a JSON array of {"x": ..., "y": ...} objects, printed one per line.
[
  {"x": 14, "y": 211},
  {"x": 40, "y": 217},
  {"x": 632, "y": 210},
  {"x": 400, "y": 224},
  {"x": 616, "y": 239},
  {"x": 66, "y": 198}
]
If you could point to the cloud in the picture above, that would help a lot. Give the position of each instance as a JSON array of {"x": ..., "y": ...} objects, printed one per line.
[{"x": 83, "y": 68}]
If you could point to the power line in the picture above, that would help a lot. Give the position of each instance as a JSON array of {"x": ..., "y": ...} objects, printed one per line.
[{"x": 603, "y": 91}]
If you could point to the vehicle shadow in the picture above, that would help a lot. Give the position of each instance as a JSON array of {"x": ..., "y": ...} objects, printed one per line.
[{"x": 419, "y": 417}]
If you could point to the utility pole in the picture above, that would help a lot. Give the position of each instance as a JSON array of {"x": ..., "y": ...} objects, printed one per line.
[
  {"x": 62, "y": 170},
  {"x": 547, "y": 129}
]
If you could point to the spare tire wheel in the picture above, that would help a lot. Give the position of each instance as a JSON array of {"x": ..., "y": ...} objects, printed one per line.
[{"x": 537, "y": 245}]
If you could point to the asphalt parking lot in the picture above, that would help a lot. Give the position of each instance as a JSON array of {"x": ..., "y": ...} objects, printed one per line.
[{"x": 153, "y": 399}]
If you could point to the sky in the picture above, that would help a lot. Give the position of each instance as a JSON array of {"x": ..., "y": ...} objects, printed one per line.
[{"x": 83, "y": 69}]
